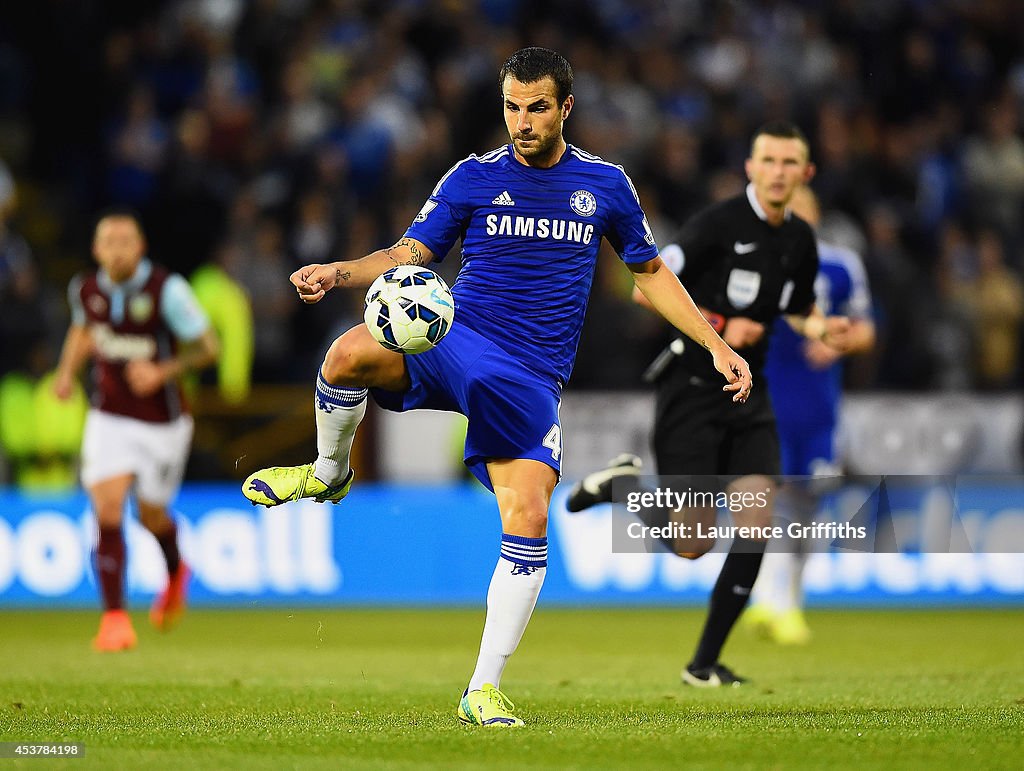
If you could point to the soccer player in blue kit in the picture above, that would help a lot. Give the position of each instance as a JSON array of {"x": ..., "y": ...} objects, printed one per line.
[
  {"x": 805, "y": 382},
  {"x": 531, "y": 216}
]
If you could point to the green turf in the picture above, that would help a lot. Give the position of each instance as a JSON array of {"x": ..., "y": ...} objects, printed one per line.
[{"x": 598, "y": 688}]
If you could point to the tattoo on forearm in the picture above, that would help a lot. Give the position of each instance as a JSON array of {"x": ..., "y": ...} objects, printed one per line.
[
  {"x": 340, "y": 277},
  {"x": 416, "y": 257}
]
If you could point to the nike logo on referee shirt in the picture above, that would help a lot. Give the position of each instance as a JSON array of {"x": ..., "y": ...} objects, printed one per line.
[{"x": 741, "y": 248}]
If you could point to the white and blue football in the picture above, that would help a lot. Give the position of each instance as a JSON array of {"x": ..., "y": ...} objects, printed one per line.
[{"x": 409, "y": 309}]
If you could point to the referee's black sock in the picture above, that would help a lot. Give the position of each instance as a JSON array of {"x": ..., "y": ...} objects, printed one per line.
[{"x": 728, "y": 598}]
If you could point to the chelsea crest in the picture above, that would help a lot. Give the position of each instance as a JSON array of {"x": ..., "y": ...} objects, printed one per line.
[{"x": 583, "y": 203}]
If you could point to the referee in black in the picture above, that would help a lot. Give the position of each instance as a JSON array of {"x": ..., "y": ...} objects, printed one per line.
[{"x": 744, "y": 261}]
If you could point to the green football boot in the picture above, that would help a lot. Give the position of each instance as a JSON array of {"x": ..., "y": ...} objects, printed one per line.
[
  {"x": 280, "y": 484},
  {"x": 487, "y": 707}
]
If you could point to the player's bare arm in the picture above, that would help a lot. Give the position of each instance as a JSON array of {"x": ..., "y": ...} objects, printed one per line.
[
  {"x": 662, "y": 289},
  {"x": 147, "y": 377},
  {"x": 312, "y": 282},
  {"x": 75, "y": 353},
  {"x": 738, "y": 331}
]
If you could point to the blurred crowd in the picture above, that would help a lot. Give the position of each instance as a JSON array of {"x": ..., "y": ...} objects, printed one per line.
[{"x": 260, "y": 135}]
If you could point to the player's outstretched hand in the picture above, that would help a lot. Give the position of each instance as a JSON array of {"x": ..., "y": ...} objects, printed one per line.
[
  {"x": 312, "y": 282},
  {"x": 736, "y": 370}
]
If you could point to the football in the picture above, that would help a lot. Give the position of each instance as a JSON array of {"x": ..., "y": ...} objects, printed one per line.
[{"x": 409, "y": 309}]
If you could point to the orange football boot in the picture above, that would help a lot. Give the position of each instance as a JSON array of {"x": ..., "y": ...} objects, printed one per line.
[
  {"x": 116, "y": 633},
  {"x": 170, "y": 603}
]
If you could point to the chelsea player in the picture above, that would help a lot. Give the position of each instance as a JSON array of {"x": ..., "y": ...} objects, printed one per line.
[
  {"x": 805, "y": 383},
  {"x": 531, "y": 216}
]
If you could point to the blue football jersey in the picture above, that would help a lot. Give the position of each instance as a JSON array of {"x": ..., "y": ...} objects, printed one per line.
[
  {"x": 803, "y": 396},
  {"x": 530, "y": 239}
]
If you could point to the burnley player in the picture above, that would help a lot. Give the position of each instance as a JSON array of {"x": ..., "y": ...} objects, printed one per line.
[
  {"x": 531, "y": 216},
  {"x": 143, "y": 328}
]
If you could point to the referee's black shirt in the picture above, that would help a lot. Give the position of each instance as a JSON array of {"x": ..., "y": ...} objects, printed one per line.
[{"x": 734, "y": 263}]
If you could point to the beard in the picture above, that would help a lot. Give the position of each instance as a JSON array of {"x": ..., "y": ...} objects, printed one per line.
[{"x": 539, "y": 147}]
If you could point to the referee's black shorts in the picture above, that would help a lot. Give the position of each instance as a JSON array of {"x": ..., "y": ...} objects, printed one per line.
[{"x": 699, "y": 430}]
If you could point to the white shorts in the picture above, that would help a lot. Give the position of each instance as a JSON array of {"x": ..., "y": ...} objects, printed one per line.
[{"x": 156, "y": 453}]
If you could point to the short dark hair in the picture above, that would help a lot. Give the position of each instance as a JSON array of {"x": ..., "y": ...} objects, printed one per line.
[
  {"x": 528, "y": 65},
  {"x": 120, "y": 213},
  {"x": 781, "y": 129}
]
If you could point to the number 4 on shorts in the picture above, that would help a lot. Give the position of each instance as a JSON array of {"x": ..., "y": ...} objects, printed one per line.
[{"x": 553, "y": 441}]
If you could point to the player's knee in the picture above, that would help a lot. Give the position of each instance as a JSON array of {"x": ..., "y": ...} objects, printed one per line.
[
  {"x": 759, "y": 518},
  {"x": 108, "y": 514},
  {"x": 345, "y": 363},
  {"x": 758, "y": 494},
  {"x": 356, "y": 360},
  {"x": 527, "y": 517}
]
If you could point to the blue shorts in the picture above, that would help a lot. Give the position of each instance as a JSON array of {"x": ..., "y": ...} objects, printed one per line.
[
  {"x": 512, "y": 410},
  {"x": 807, "y": 450}
]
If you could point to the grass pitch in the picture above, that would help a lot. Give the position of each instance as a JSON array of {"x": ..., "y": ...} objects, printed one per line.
[{"x": 598, "y": 688}]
